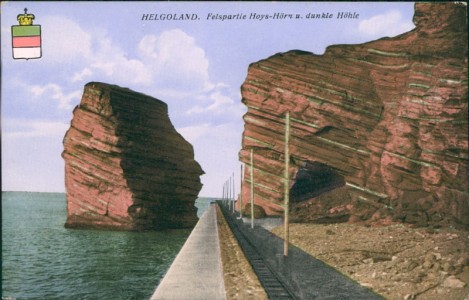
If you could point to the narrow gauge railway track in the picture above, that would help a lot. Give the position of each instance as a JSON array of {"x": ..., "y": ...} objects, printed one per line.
[{"x": 272, "y": 285}]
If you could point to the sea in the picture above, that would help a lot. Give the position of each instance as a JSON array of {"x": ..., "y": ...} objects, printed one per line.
[{"x": 41, "y": 259}]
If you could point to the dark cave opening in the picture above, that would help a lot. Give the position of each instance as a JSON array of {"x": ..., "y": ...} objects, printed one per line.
[{"x": 313, "y": 179}]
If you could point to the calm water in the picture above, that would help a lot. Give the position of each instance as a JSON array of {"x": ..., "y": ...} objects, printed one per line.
[{"x": 43, "y": 260}]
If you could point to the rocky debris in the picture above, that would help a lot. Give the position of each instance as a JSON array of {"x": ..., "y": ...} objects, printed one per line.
[
  {"x": 390, "y": 116},
  {"x": 396, "y": 261},
  {"x": 126, "y": 167},
  {"x": 241, "y": 282},
  {"x": 453, "y": 282}
]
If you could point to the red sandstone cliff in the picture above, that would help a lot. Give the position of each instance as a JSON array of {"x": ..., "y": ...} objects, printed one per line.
[
  {"x": 389, "y": 116},
  {"x": 126, "y": 167}
]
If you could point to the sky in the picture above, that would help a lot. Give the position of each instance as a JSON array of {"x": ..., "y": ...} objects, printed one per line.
[{"x": 196, "y": 66}]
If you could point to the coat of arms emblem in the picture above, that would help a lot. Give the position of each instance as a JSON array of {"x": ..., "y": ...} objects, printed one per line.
[{"x": 26, "y": 37}]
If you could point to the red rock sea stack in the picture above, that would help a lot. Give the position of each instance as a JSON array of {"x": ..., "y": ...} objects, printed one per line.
[
  {"x": 126, "y": 167},
  {"x": 389, "y": 116}
]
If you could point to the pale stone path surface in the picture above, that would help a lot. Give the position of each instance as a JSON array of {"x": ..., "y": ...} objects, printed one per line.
[{"x": 197, "y": 272}]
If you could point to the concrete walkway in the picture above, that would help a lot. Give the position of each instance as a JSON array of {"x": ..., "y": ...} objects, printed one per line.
[{"x": 197, "y": 272}]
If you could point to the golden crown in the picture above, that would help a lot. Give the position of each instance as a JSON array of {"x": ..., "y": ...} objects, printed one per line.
[{"x": 25, "y": 19}]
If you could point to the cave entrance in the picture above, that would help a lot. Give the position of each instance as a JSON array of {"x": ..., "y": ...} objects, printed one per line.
[{"x": 313, "y": 179}]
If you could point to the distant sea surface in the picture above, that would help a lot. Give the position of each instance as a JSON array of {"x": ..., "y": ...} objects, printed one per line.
[{"x": 43, "y": 260}]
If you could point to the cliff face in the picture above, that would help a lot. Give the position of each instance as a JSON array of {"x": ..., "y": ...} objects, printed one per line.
[
  {"x": 389, "y": 116},
  {"x": 126, "y": 167}
]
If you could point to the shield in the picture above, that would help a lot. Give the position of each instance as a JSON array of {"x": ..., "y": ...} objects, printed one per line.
[{"x": 26, "y": 38}]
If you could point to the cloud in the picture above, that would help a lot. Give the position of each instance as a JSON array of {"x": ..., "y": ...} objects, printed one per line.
[
  {"x": 80, "y": 76},
  {"x": 219, "y": 101},
  {"x": 16, "y": 128},
  {"x": 64, "y": 40},
  {"x": 388, "y": 24},
  {"x": 176, "y": 61},
  {"x": 193, "y": 133},
  {"x": 55, "y": 92},
  {"x": 169, "y": 65},
  {"x": 111, "y": 61},
  {"x": 171, "y": 62}
]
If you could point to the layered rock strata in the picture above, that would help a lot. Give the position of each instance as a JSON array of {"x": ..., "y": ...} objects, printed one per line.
[
  {"x": 126, "y": 167},
  {"x": 390, "y": 116}
]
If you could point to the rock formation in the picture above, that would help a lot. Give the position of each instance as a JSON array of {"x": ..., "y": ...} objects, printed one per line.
[
  {"x": 389, "y": 116},
  {"x": 126, "y": 167}
]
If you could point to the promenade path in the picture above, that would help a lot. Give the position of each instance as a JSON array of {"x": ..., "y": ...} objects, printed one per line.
[{"x": 196, "y": 272}]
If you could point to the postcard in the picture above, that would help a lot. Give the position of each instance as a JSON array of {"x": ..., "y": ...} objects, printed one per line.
[{"x": 121, "y": 115}]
